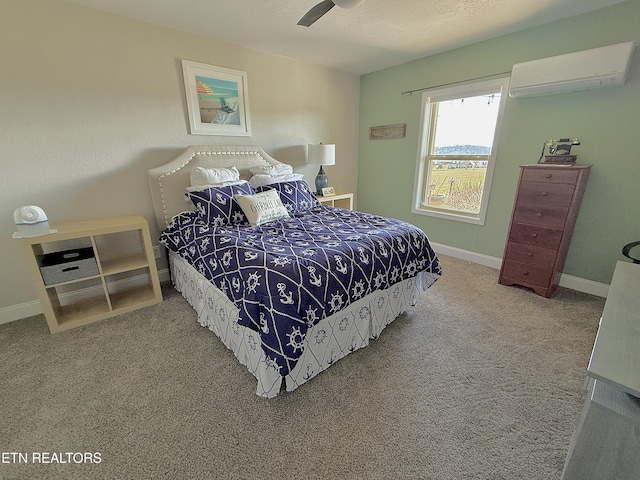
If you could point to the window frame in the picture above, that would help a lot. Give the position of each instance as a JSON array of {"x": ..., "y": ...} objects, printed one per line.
[{"x": 435, "y": 95}]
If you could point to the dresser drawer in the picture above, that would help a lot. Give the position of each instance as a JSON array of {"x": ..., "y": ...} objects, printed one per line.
[
  {"x": 559, "y": 194},
  {"x": 542, "y": 215},
  {"x": 549, "y": 175},
  {"x": 530, "y": 254},
  {"x": 528, "y": 274},
  {"x": 534, "y": 235}
]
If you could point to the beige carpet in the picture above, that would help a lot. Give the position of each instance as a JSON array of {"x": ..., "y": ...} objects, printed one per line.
[{"x": 478, "y": 381}]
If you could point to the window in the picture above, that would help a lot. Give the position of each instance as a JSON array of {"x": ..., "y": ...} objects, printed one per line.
[{"x": 456, "y": 155}]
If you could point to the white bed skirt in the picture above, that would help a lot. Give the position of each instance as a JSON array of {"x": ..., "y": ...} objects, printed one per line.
[{"x": 325, "y": 343}]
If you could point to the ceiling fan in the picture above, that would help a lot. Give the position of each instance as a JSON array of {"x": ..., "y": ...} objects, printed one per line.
[{"x": 323, "y": 7}]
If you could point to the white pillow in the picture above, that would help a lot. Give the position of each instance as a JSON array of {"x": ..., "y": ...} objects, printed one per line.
[
  {"x": 198, "y": 188},
  {"x": 278, "y": 169},
  {"x": 211, "y": 176},
  {"x": 262, "y": 207},
  {"x": 261, "y": 180}
]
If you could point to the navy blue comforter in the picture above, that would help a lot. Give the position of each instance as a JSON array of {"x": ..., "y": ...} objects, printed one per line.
[{"x": 287, "y": 275}]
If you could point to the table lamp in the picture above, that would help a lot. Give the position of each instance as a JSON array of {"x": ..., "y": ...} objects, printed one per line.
[{"x": 321, "y": 154}]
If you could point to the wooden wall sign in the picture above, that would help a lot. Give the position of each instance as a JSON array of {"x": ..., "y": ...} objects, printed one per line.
[{"x": 384, "y": 132}]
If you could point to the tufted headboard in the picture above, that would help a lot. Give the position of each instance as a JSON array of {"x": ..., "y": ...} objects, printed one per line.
[{"x": 168, "y": 182}]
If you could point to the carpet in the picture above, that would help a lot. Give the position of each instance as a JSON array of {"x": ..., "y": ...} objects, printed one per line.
[{"x": 477, "y": 381}]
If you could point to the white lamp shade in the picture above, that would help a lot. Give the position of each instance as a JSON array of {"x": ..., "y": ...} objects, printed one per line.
[{"x": 322, "y": 154}]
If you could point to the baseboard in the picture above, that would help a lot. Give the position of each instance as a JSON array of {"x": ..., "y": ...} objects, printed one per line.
[
  {"x": 568, "y": 281},
  {"x": 584, "y": 285},
  {"x": 21, "y": 310},
  {"x": 479, "y": 258},
  {"x": 28, "y": 309}
]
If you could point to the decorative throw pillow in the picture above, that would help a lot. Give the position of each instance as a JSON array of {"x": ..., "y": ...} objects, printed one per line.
[
  {"x": 211, "y": 176},
  {"x": 296, "y": 196},
  {"x": 217, "y": 206},
  {"x": 263, "y": 179},
  {"x": 262, "y": 207}
]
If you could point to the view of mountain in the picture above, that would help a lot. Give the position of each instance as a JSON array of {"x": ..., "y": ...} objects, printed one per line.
[{"x": 463, "y": 150}]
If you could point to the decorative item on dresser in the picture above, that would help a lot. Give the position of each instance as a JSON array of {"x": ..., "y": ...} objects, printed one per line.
[{"x": 544, "y": 215}]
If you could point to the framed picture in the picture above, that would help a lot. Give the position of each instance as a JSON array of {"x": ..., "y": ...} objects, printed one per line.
[
  {"x": 328, "y": 191},
  {"x": 217, "y": 100}
]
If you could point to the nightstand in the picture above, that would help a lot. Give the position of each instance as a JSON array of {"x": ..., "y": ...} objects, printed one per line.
[
  {"x": 92, "y": 270},
  {"x": 340, "y": 200}
]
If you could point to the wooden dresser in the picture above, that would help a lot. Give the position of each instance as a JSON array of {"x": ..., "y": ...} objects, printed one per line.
[{"x": 544, "y": 215}]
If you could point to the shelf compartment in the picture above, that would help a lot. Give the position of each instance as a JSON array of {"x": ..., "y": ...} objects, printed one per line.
[
  {"x": 74, "y": 281},
  {"x": 133, "y": 298},
  {"x": 342, "y": 203},
  {"x": 340, "y": 200},
  {"x": 66, "y": 266},
  {"x": 121, "y": 251},
  {"x": 50, "y": 246},
  {"x": 129, "y": 289},
  {"x": 82, "y": 312},
  {"x": 123, "y": 264},
  {"x": 80, "y": 301}
]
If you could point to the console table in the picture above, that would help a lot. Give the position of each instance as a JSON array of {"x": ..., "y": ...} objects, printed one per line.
[{"x": 606, "y": 441}]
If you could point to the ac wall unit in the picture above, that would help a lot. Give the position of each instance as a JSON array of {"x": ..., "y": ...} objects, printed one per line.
[{"x": 584, "y": 70}]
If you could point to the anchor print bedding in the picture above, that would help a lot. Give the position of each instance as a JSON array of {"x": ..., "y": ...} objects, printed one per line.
[{"x": 287, "y": 275}]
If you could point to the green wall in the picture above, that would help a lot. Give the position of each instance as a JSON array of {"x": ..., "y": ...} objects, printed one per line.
[{"x": 607, "y": 121}]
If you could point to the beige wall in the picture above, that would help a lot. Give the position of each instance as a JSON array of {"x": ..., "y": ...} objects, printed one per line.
[{"x": 90, "y": 101}]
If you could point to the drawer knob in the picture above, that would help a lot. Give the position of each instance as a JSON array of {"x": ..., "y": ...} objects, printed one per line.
[
  {"x": 525, "y": 273},
  {"x": 529, "y": 254},
  {"x": 544, "y": 194},
  {"x": 534, "y": 235},
  {"x": 539, "y": 214},
  {"x": 548, "y": 175}
]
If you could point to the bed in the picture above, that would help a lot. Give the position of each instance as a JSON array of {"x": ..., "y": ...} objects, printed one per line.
[{"x": 288, "y": 293}]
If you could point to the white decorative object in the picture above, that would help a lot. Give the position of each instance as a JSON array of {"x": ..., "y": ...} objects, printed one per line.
[
  {"x": 585, "y": 70},
  {"x": 31, "y": 221}
]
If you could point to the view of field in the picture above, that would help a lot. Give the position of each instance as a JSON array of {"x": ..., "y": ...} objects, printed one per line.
[
  {"x": 457, "y": 188},
  {"x": 459, "y": 147}
]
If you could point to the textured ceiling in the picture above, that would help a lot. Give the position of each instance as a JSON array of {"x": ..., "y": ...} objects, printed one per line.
[{"x": 375, "y": 35}]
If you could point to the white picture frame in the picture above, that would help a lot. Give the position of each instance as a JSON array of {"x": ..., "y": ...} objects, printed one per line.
[{"x": 217, "y": 100}]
